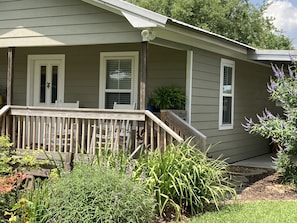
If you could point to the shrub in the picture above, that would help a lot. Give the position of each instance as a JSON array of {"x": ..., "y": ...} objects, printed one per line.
[
  {"x": 184, "y": 179},
  {"x": 92, "y": 194},
  {"x": 281, "y": 129},
  {"x": 168, "y": 97}
]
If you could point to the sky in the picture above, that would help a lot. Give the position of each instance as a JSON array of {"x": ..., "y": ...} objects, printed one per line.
[{"x": 285, "y": 14}]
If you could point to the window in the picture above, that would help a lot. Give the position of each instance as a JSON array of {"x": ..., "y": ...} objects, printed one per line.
[
  {"x": 226, "y": 113},
  {"x": 118, "y": 78}
]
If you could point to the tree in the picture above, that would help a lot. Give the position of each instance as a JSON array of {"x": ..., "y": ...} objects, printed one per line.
[
  {"x": 236, "y": 19},
  {"x": 281, "y": 129}
]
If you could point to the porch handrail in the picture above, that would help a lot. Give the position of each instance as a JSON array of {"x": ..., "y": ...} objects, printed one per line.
[
  {"x": 183, "y": 129},
  {"x": 36, "y": 127}
]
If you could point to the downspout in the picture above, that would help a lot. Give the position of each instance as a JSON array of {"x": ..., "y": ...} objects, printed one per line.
[
  {"x": 147, "y": 36},
  {"x": 10, "y": 75}
]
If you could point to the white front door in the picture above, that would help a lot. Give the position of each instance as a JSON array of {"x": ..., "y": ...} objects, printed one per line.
[{"x": 45, "y": 80}]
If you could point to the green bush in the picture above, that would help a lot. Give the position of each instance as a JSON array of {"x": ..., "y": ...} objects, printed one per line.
[
  {"x": 168, "y": 97},
  {"x": 184, "y": 179},
  {"x": 92, "y": 194}
]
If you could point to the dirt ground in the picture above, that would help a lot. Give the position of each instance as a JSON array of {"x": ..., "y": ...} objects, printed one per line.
[{"x": 263, "y": 186}]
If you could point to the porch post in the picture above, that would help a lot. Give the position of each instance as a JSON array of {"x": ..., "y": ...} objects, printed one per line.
[
  {"x": 10, "y": 74},
  {"x": 144, "y": 52}
]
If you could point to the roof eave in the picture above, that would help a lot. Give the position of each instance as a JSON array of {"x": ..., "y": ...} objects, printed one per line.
[{"x": 273, "y": 55}]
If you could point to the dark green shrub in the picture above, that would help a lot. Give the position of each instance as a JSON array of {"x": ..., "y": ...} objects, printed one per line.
[
  {"x": 92, "y": 194},
  {"x": 168, "y": 97},
  {"x": 184, "y": 179}
]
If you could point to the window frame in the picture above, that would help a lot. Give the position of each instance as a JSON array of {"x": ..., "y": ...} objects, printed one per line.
[
  {"x": 104, "y": 56},
  {"x": 231, "y": 64}
]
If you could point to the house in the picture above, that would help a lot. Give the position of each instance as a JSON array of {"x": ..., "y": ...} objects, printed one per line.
[{"x": 101, "y": 51}]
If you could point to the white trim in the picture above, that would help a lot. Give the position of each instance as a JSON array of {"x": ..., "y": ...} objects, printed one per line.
[
  {"x": 189, "y": 76},
  {"x": 134, "y": 55},
  {"x": 31, "y": 60},
  {"x": 224, "y": 63}
]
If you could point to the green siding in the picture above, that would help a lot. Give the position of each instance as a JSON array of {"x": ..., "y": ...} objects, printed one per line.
[
  {"x": 250, "y": 98},
  {"x": 57, "y": 22}
]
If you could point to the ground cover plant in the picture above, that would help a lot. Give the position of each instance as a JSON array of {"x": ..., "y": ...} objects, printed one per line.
[
  {"x": 255, "y": 212},
  {"x": 114, "y": 187},
  {"x": 281, "y": 128}
]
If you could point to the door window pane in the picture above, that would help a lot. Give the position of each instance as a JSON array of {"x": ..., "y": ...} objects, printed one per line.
[
  {"x": 120, "y": 98},
  {"x": 42, "y": 84},
  {"x": 54, "y": 84}
]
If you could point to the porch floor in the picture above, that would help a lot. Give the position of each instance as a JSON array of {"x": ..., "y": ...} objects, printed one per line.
[{"x": 263, "y": 161}]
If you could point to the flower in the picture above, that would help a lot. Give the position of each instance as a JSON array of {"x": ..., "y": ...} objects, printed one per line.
[{"x": 12, "y": 219}]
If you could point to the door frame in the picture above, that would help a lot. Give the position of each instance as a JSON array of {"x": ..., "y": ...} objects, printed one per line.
[{"x": 30, "y": 75}]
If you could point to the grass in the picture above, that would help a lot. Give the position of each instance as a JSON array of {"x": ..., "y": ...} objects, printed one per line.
[{"x": 254, "y": 212}]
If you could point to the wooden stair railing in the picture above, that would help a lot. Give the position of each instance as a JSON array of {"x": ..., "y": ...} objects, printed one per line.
[
  {"x": 71, "y": 130},
  {"x": 183, "y": 129}
]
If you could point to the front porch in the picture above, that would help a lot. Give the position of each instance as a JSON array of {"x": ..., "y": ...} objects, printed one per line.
[{"x": 88, "y": 131}]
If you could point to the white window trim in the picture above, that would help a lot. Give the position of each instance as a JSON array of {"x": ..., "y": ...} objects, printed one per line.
[
  {"x": 229, "y": 63},
  {"x": 134, "y": 55},
  {"x": 30, "y": 75}
]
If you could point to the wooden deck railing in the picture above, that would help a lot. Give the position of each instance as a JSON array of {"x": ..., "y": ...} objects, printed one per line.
[
  {"x": 183, "y": 129},
  {"x": 84, "y": 130}
]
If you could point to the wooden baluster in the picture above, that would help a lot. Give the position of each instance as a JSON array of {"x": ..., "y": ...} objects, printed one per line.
[
  {"x": 39, "y": 132},
  {"x": 100, "y": 135},
  {"x": 33, "y": 132},
  {"x": 24, "y": 133},
  {"x": 19, "y": 132},
  {"x": 28, "y": 131},
  {"x": 44, "y": 134},
  {"x": 152, "y": 136},
  {"x": 83, "y": 122},
  {"x": 14, "y": 131},
  {"x": 89, "y": 135},
  {"x": 71, "y": 134},
  {"x": 55, "y": 134},
  {"x": 66, "y": 135},
  {"x": 94, "y": 138},
  {"x": 60, "y": 121},
  {"x": 77, "y": 127},
  {"x": 49, "y": 120}
]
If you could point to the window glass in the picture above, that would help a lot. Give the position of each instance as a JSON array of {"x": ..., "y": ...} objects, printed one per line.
[
  {"x": 226, "y": 111},
  {"x": 118, "y": 74},
  {"x": 120, "y": 98}
]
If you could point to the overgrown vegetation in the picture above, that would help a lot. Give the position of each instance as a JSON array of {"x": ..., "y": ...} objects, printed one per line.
[
  {"x": 115, "y": 188},
  {"x": 281, "y": 129}
]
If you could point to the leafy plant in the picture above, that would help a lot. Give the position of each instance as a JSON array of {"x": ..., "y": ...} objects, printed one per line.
[
  {"x": 33, "y": 205},
  {"x": 93, "y": 194},
  {"x": 169, "y": 97},
  {"x": 281, "y": 129},
  {"x": 184, "y": 179}
]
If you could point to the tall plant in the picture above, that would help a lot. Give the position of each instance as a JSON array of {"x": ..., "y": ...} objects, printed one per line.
[
  {"x": 184, "y": 179},
  {"x": 281, "y": 129}
]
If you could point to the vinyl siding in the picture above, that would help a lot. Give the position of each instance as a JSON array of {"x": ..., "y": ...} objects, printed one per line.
[
  {"x": 56, "y": 22},
  {"x": 250, "y": 98},
  {"x": 166, "y": 67}
]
